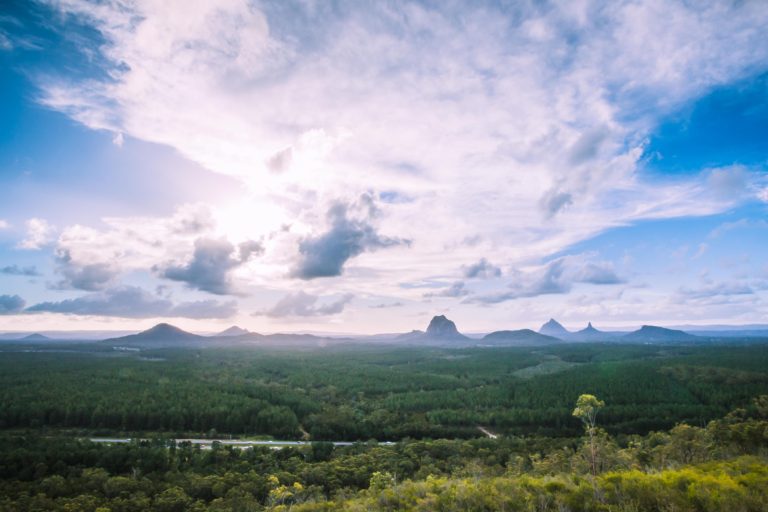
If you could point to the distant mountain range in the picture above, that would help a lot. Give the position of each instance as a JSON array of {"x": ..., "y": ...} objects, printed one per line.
[
  {"x": 442, "y": 331},
  {"x": 589, "y": 333},
  {"x": 646, "y": 334},
  {"x": 166, "y": 335},
  {"x": 439, "y": 332}
]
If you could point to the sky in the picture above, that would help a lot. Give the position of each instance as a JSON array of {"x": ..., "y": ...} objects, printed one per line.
[{"x": 358, "y": 167}]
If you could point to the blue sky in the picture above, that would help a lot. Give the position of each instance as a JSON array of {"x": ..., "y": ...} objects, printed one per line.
[{"x": 360, "y": 167}]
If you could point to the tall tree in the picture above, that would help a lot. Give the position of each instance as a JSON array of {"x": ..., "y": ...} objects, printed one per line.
[{"x": 587, "y": 407}]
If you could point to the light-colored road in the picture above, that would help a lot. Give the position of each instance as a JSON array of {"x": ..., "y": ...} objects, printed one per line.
[
  {"x": 229, "y": 442},
  {"x": 487, "y": 432}
]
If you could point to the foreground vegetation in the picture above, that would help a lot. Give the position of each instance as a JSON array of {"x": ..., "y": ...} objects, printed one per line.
[{"x": 723, "y": 466}]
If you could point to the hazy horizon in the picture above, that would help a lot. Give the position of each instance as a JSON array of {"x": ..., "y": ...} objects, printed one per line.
[{"x": 359, "y": 168}]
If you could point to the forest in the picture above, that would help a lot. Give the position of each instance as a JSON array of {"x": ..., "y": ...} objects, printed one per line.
[
  {"x": 357, "y": 393},
  {"x": 682, "y": 428}
]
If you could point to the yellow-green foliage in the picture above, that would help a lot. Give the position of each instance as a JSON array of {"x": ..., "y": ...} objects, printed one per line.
[{"x": 734, "y": 486}]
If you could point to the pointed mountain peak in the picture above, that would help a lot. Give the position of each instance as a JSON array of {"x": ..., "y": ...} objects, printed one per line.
[
  {"x": 441, "y": 327},
  {"x": 589, "y": 329},
  {"x": 553, "y": 328}
]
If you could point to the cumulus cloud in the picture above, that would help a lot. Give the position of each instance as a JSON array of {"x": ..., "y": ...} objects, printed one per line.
[
  {"x": 15, "y": 270},
  {"x": 39, "y": 234},
  {"x": 556, "y": 277},
  {"x": 90, "y": 258},
  {"x": 305, "y": 304},
  {"x": 325, "y": 255},
  {"x": 211, "y": 264},
  {"x": 4, "y": 224},
  {"x": 83, "y": 276},
  {"x": 482, "y": 269},
  {"x": 134, "y": 302},
  {"x": 11, "y": 304}
]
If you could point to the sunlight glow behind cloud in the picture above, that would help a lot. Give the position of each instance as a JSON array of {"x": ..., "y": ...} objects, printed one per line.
[{"x": 513, "y": 132}]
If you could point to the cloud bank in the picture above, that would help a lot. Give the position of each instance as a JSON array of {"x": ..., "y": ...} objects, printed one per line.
[
  {"x": 134, "y": 302},
  {"x": 556, "y": 277}
]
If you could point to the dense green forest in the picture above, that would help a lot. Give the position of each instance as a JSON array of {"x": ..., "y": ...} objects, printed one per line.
[
  {"x": 682, "y": 428},
  {"x": 385, "y": 393},
  {"x": 719, "y": 467}
]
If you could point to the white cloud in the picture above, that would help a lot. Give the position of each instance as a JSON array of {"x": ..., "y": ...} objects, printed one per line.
[
  {"x": 91, "y": 258},
  {"x": 39, "y": 234},
  {"x": 521, "y": 131},
  {"x": 4, "y": 224},
  {"x": 210, "y": 265}
]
